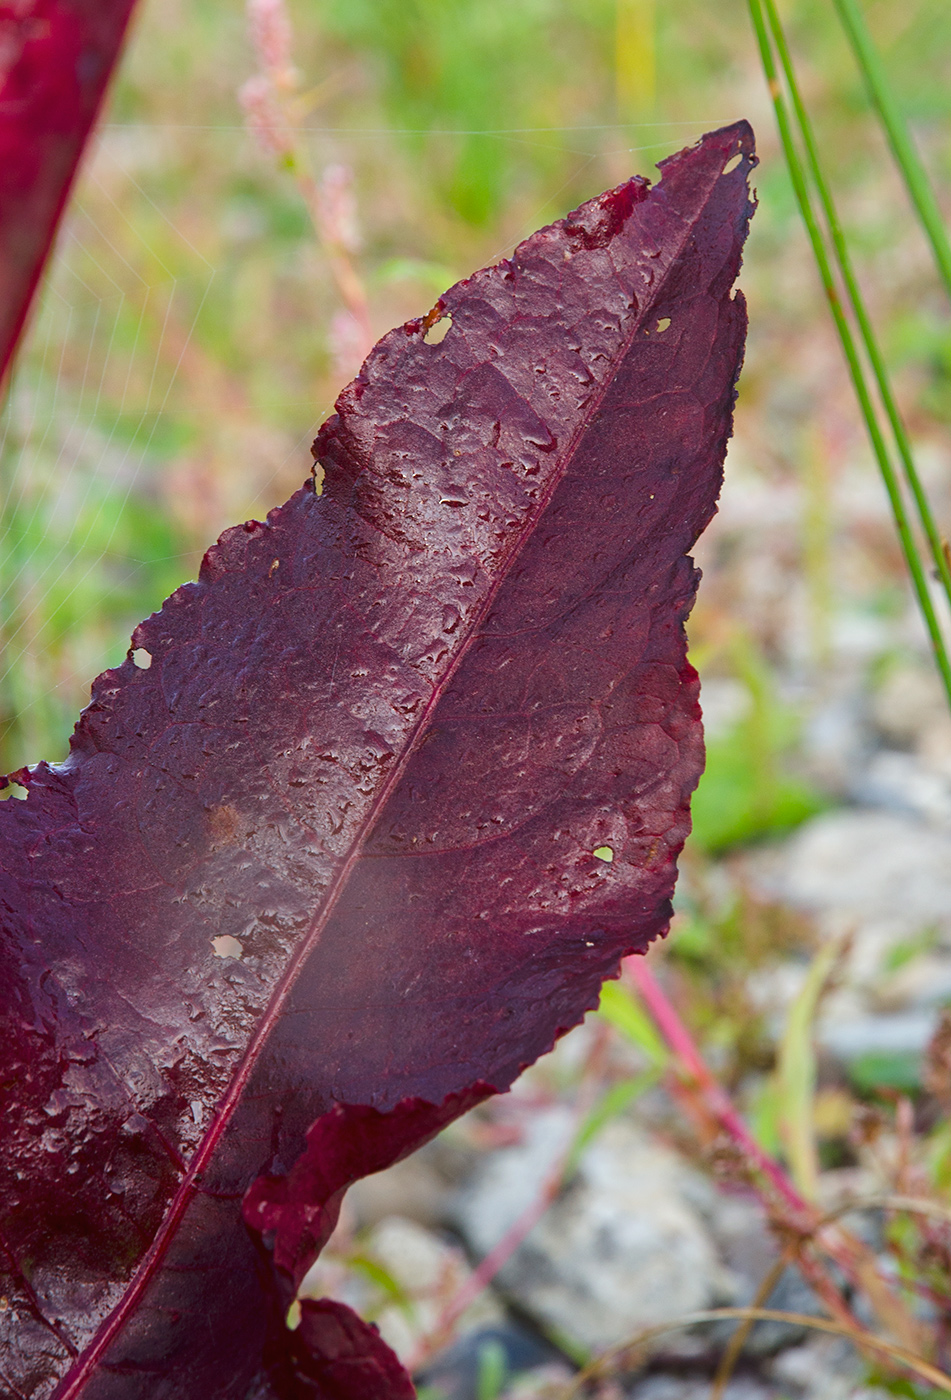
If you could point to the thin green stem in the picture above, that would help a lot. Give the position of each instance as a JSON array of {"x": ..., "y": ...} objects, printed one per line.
[
  {"x": 879, "y": 446},
  {"x": 872, "y": 350},
  {"x": 903, "y": 149}
]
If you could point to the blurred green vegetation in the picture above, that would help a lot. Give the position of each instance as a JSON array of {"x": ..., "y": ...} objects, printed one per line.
[{"x": 747, "y": 791}]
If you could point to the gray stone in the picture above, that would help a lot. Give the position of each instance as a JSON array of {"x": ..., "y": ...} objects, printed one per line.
[
  {"x": 427, "y": 1269},
  {"x": 881, "y": 883},
  {"x": 542, "y": 1383},
  {"x": 661, "y": 1386},
  {"x": 501, "y": 1358},
  {"x": 621, "y": 1249},
  {"x": 903, "y": 782},
  {"x": 881, "y": 869},
  {"x": 910, "y": 706},
  {"x": 413, "y": 1189},
  {"x": 882, "y": 879},
  {"x": 824, "y": 1368},
  {"x": 748, "y": 1248},
  {"x": 903, "y": 1034},
  {"x": 725, "y": 702},
  {"x": 835, "y": 742}
]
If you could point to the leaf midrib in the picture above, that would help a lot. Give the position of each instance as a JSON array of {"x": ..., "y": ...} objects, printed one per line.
[{"x": 69, "y": 1387}]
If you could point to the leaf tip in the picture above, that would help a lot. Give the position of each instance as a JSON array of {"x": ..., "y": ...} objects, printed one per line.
[{"x": 598, "y": 221}]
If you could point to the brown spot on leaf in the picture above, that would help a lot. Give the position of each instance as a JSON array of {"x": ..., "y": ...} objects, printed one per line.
[{"x": 226, "y": 826}]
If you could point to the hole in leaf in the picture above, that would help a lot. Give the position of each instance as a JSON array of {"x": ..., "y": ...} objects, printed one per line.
[
  {"x": 293, "y": 1316},
  {"x": 275, "y": 565},
  {"x": 438, "y": 330},
  {"x": 733, "y": 163},
  {"x": 662, "y": 324},
  {"x": 142, "y": 658},
  {"x": 227, "y": 947},
  {"x": 603, "y": 853},
  {"x": 14, "y": 790}
]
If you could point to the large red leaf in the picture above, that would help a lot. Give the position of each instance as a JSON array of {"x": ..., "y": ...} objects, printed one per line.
[
  {"x": 378, "y": 744},
  {"x": 55, "y": 60}
]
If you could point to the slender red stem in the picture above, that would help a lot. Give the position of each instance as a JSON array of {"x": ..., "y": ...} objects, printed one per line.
[
  {"x": 486, "y": 1271},
  {"x": 681, "y": 1043},
  {"x": 853, "y": 1257}
]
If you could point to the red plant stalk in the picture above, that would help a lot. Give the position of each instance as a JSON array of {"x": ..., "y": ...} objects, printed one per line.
[
  {"x": 272, "y": 112},
  {"x": 854, "y": 1258},
  {"x": 681, "y": 1043},
  {"x": 712, "y": 1102},
  {"x": 486, "y": 1271}
]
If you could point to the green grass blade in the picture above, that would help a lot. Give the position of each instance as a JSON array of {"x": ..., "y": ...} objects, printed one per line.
[
  {"x": 612, "y": 1103},
  {"x": 847, "y": 272},
  {"x": 625, "y": 1013},
  {"x": 906, "y": 157},
  {"x": 796, "y": 1074},
  {"x": 913, "y": 559}
]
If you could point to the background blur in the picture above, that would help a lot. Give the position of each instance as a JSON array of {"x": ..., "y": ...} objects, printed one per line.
[
  {"x": 185, "y": 353},
  {"x": 192, "y": 336}
]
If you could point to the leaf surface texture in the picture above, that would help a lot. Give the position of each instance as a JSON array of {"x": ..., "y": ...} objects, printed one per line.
[{"x": 381, "y": 748}]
